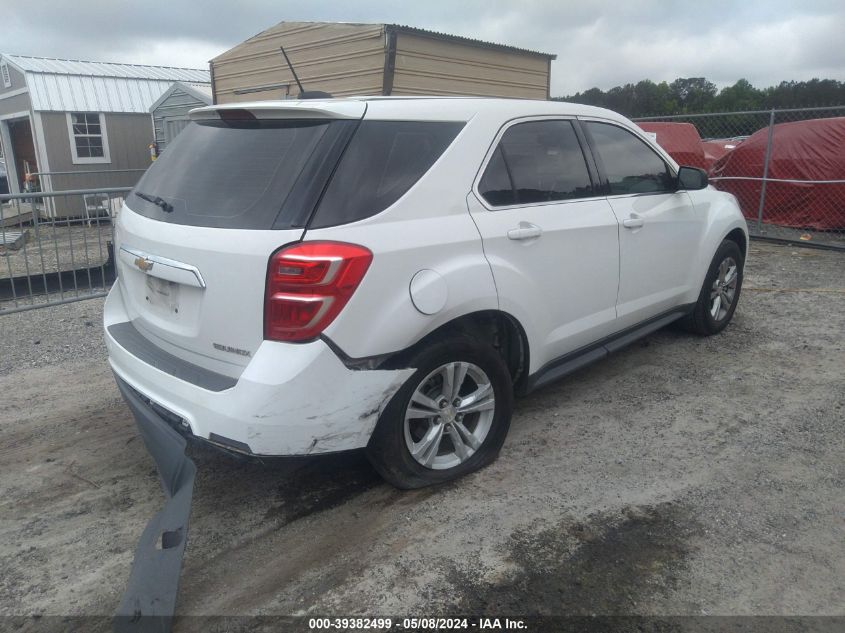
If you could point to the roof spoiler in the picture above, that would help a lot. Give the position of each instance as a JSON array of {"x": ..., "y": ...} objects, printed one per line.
[{"x": 307, "y": 109}]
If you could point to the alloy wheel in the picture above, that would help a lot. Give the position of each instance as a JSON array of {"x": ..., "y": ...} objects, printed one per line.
[
  {"x": 449, "y": 415},
  {"x": 723, "y": 290}
]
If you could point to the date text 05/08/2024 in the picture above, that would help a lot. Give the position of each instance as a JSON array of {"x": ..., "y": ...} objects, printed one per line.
[{"x": 416, "y": 624}]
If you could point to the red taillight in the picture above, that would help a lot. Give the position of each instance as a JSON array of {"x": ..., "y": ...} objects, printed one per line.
[{"x": 307, "y": 286}]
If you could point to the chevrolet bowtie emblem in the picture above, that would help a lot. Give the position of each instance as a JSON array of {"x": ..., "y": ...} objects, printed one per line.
[{"x": 144, "y": 264}]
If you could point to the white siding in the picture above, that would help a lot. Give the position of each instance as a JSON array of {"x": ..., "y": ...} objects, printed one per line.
[{"x": 171, "y": 112}]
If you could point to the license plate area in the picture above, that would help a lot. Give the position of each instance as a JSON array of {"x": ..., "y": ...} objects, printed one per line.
[{"x": 161, "y": 296}]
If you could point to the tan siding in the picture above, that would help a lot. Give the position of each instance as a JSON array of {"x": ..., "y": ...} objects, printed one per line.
[
  {"x": 129, "y": 139},
  {"x": 342, "y": 59},
  {"x": 433, "y": 66}
]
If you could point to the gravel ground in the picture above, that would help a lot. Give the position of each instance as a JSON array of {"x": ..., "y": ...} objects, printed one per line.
[
  {"x": 48, "y": 248},
  {"x": 50, "y": 337},
  {"x": 682, "y": 476}
]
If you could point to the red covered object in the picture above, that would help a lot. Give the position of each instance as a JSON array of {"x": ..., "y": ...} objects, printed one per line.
[
  {"x": 680, "y": 140},
  {"x": 804, "y": 150},
  {"x": 716, "y": 149}
]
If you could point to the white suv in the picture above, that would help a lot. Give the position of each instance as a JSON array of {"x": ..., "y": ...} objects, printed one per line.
[{"x": 304, "y": 277}]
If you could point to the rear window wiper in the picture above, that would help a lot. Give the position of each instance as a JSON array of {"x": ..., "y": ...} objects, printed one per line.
[{"x": 159, "y": 202}]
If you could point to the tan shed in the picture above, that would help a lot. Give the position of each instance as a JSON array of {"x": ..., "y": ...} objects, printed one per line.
[{"x": 375, "y": 59}]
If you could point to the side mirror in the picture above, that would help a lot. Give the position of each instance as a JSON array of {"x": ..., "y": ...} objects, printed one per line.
[{"x": 692, "y": 178}]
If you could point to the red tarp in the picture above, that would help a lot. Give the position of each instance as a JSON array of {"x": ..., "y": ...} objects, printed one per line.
[
  {"x": 680, "y": 140},
  {"x": 716, "y": 148},
  {"x": 804, "y": 150}
]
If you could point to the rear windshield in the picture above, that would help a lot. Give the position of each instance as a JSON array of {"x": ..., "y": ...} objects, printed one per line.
[
  {"x": 384, "y": 159},
  {"x": 237, "y": 174},
  {"x": 271, "y": 174}
]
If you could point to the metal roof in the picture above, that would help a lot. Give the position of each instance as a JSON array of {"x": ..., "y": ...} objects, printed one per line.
[
  {"x": 402, "y": 28},
  {"x": 200, "y": 91},
  {"x": 25, "y": 63},
  {"x": 202, "y": 88},
  {"x": 65, "y": 85}
]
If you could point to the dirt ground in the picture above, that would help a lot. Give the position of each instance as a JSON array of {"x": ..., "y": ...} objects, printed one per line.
[{"x": 683, "y": 476}]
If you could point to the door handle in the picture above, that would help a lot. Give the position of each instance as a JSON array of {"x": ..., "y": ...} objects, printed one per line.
[
  {"x": 526, "y": 231},
  {"x": 634, "y": 222}
]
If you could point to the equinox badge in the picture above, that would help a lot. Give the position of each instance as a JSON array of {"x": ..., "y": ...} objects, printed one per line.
[{"x": 232, "y": 350}]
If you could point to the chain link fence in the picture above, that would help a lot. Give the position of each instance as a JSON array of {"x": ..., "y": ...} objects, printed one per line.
[
  {"x": 785, "y": 167},
  {"x": 56, "y": 247}
]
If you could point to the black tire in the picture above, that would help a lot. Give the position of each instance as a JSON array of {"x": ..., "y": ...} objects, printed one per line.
[
  {"x": 701, "y": 320},
  {"x": 388, "y": 449}
]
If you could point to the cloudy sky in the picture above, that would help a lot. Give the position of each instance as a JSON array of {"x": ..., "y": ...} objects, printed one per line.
[{"x": 599, "y": 43}]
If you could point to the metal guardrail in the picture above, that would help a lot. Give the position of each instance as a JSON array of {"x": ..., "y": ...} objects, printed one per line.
[
  {"x": 88, "y": 173},
  {"x": 56, "y": 247},
  {"x": 766, "y": 178}
]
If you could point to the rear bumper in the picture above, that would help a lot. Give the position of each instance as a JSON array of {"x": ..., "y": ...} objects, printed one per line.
[
  {"x": 150, "y": 597},
  {"x": 292, "y": 399}
]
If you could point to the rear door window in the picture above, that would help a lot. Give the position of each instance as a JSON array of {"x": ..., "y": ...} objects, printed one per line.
[
  {"x": 496, "y": 186},
  {"x": 541, "y": 161},
  {"x": 631, "y": 166},
  {"x": 383, "y": 161},
  {"x": 238, "y": 174}
]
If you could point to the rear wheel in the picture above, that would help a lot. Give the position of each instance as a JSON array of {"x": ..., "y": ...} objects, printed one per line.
[
  {"x": 720, "y": 292},
  {"x": 449, "y": 419}
]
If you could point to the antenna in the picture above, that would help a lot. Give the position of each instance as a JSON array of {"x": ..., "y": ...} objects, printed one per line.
[
  {"x": 287, "y": 59},
  {"x": 313, "y": 94}
]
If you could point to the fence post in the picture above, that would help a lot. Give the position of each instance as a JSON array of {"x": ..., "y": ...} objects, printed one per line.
[{"x": 765, "y": 172}]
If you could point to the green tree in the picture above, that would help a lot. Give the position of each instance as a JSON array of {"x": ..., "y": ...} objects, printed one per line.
[
  {"x": 798, "y": 94},
  {"x": 693, "y": 94},
  {"x": 621, "y": 99},
  {"x": 593, "y": 97},
  {"x": 651, "y": 98},
  {"x": 741, "y": 96}
]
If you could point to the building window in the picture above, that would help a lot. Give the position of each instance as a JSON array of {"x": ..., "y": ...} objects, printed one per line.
[{"x": 88, "y": 140}]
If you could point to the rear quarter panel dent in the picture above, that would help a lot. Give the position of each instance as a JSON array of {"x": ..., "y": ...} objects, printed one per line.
[{"x": 381, "y": 317}]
